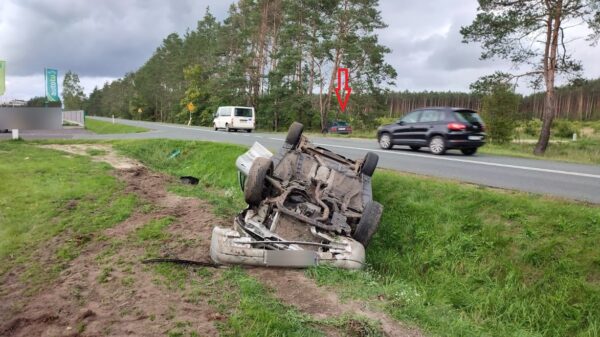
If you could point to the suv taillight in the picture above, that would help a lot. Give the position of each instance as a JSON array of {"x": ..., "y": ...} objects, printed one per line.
[{"x": 456, "y": 127}]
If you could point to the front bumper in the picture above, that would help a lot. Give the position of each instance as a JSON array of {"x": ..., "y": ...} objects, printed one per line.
[{"x": 228, "y": 247}]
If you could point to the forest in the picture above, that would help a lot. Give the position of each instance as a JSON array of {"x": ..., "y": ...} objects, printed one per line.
[{"x": 281, "y": 56}]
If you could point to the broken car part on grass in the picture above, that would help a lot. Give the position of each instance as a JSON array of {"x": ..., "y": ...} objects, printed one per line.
[{"x": 306, "y": 206}]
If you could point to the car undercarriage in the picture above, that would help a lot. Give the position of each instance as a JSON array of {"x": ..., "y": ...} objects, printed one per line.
[{"x": 306, "y": 206}]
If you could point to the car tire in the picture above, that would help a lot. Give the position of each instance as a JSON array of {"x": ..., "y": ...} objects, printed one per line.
[
  {"x": 369, "y": 222},
  {"x": 415, "y": 148},
  {"x": 469, "y": 152},
  {"x": 255, "y": 186},
  {"x": 369, "y": 164},
  {"x": 249, "y": 130},
  {"x": 215, "y": 127},
  {"x": 437, "y": 145},
  {"x": 294, "y": 134},
  {"x": 385, "y": 141}
]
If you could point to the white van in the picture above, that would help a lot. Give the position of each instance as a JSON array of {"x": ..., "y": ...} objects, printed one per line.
[{"x": 233, "y": 118}]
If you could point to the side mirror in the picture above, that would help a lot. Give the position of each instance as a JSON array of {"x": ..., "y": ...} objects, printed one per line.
[{"x": 400, "y": 122}]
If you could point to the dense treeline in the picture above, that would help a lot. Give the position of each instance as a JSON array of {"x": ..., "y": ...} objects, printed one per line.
[
  {"x": 280, "y": 56},
  {"x": 579, "y": 101}
]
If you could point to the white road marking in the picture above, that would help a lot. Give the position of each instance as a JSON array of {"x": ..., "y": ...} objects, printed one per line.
[
  {"x": 578, "y": 174},
  {"x": 527, "y": 168}
]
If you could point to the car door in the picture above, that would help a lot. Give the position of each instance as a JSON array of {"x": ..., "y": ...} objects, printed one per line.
[
  {"x": 427, "y": 121},
  {"x": 404, "y": 130}
]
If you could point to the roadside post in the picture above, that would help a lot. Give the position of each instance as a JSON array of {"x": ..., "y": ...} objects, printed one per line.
[{"x": 15, "y": 134}]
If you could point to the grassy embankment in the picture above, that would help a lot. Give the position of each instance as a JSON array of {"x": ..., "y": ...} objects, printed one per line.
[
  {"x": 102, "y": 127},
  {"x": 44, "y": 194},
  {"x": 457, "y": 260},
  {"x": 53, "y": 205}
]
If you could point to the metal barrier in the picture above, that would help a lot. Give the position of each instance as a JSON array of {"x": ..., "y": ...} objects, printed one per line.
[{"x": 74, "y": 117}]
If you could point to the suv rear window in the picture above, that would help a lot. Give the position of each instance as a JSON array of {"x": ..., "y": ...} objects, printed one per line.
[
  {"x": 468, "y": 116},
  {"x": 241, "y": 112}
]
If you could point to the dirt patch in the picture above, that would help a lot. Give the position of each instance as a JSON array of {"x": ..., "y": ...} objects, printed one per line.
[
  {"x": 112, "y": 293},
  {"x": 100, "y": 152},
  {"x": 107, "y": 291},
  {"x": 294, "y": 288}
]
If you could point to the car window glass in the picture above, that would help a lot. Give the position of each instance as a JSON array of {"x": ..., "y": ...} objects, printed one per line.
[
  {"x": 243, "y": 112},
  {"x": 428, "y": 116},
  {"x": 467, "y": 116},
  {"x": 412, "y": 117}
]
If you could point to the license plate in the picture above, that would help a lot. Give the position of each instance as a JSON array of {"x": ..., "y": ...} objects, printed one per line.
[
  {"x": 475, "y": 137},
  {"x": 342, "y": 129}
]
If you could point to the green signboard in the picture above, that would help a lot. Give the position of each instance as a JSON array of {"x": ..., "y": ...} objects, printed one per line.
[
  {"x": 2, "y": 77},
  {"x": 52, "y": 85}
]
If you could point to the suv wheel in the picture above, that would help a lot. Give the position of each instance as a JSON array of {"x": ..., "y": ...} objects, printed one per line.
[
  {"x": 437, "y": 145},
  {"x": 369, "y": 222},
  {"x": 255, "y": 186},
  {"x": 294, "y": 134},
  {"x": 369, "y": 164},
  {"x": 385, "y": 141},
  {"x": 469, "y": 152}
]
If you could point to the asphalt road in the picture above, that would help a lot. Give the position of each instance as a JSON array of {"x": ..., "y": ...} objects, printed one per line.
[{"x": 574, "y": 181}]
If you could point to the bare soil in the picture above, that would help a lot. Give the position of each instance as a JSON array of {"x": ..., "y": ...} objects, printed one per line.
[{"x": 106, "y": 291}]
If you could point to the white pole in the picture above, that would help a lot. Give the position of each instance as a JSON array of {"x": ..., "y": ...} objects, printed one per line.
[
  {"x": 15, "y": 134},
  {"x": 113, "y": 119}
]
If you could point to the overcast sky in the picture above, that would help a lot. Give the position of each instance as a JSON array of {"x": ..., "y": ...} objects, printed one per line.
[{"x": 102, "y": 40}]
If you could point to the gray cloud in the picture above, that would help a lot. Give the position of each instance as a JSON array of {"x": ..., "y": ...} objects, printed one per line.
[{"x": 102, "y": 40}]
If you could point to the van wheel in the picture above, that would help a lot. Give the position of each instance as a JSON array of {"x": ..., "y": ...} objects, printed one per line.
[
  {"x": 369, "y": 222},
  {"x": 255, "y": 188},
  {"x": 294, "y": 134},
  {"x": 249, "y": 130},
  {"x": 215, "y": 127},
  {"x": 437, "y": 145}
]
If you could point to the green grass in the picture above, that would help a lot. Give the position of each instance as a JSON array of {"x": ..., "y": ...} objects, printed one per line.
[
  {"x": 454, "y": 259},
  {"x": 44, "y": 193},
  {"x": 585, "y": 151},
  {"x": 102, "y": 127}
]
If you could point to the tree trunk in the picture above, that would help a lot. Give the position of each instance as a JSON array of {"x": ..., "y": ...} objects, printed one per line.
[{"x": 550, "y": 62}]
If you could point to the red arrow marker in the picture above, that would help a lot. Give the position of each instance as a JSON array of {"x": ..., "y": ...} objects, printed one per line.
[{"x": 343, "y": 102}]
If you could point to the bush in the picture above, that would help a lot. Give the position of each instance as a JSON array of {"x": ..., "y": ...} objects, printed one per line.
[
  {"x": 532, "y": 127},
  {"x": 563, "y": 128},
  {"x": 499, "y": 110}
]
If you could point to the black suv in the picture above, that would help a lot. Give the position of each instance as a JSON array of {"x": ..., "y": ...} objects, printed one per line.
[{"x": 440, "y": 129}]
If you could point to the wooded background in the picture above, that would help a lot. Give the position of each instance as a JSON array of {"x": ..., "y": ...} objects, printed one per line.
[{"x": 281, "y": 56}]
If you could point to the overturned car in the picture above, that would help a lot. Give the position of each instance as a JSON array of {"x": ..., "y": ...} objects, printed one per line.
[{"x": 306, "y": 206}]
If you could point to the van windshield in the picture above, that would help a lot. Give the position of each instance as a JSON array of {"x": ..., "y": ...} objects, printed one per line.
[{"x": 243, "y": 112}]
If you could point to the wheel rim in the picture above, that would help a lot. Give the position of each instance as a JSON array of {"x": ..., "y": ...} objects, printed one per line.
[
  {"x": 436, "y": 145},
  {"x": 384, "y": 141}
]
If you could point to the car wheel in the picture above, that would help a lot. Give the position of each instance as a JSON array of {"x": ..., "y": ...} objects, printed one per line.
[
  {"x": 369, "y": 222},
  {"x": 255, "y": 186},
  {"x": 415, "y": 148},
  {"x": 469, "y": 152},
  {"x": 437, "y": 145},
  {"x": 215, "y": 127},
  {"x": 369, "y": 164},
  {"x": 249, "y": 130},
  {"x": 294, "y": 134},
  {"x": 385, "y": 141}
]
